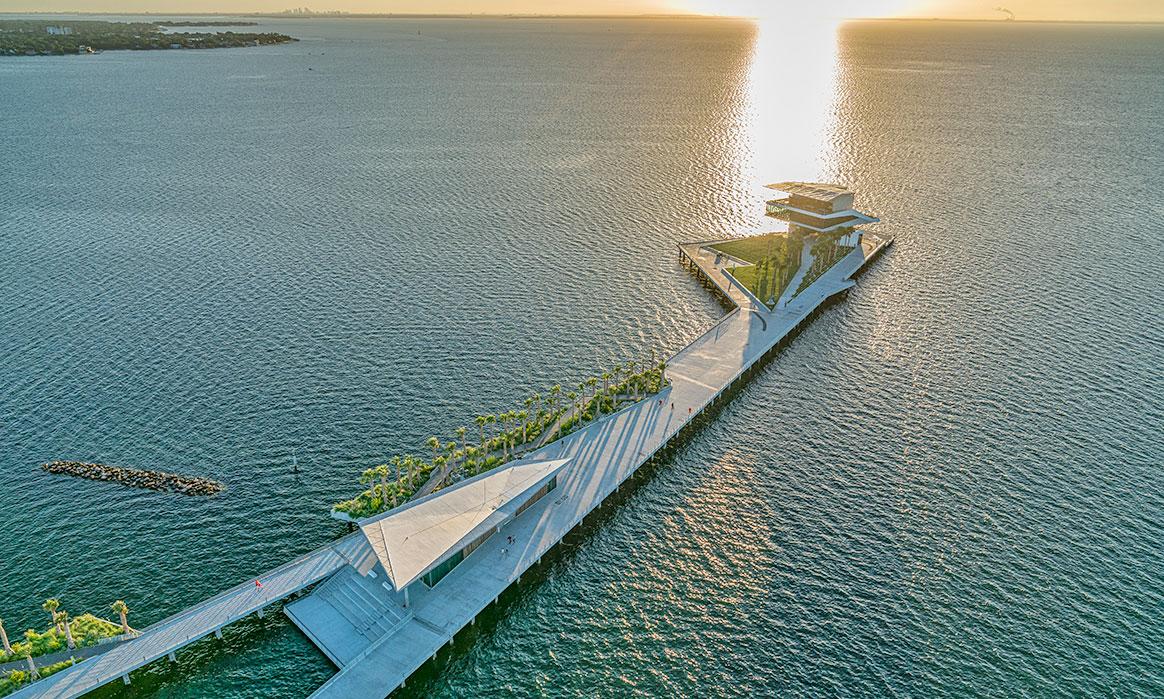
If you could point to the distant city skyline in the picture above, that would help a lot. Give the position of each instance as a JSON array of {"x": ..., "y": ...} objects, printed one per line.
[{"x": 1037, "y": 10}]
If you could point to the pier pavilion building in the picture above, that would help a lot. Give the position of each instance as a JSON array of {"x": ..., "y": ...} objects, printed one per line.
[
  {"x": 815, "y": 207},
  {"x": 408, "y": 551}
]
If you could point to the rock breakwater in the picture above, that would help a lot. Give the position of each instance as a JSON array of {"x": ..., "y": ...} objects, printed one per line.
[{"x": 137, "y": 478}]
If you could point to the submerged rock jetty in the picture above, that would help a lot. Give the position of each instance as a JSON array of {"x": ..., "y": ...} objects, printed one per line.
[{"x": 137, "y": 478}]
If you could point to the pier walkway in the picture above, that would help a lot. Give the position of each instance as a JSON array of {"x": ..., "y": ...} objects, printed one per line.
[
  {"x": 602, "y": 456},
  {"x": 203, "y": 619}
]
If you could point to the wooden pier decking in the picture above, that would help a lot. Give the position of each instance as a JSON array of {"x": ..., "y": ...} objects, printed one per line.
[{"x": 602, "y": 456}]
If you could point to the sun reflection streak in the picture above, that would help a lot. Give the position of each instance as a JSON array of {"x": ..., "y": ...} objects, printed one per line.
[{"x": 791, "y": 91}]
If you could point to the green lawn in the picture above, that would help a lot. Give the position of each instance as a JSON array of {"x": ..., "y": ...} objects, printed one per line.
[
  {"x": 775, "y": 258},
  {"x": 751, "y": 249}
]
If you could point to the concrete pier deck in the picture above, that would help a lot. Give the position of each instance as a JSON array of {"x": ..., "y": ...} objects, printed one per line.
[
  {"x": 190, "y": 625},
  {"x": 602, "y": 456}
]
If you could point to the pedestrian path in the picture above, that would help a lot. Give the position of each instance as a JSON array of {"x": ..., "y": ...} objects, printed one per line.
[
  {"x": 602, "y": 456},
  {"x": 203, "y": 619}
]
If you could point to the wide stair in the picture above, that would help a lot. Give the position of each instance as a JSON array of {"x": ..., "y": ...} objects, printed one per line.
[{"x": 361, "y": 601}]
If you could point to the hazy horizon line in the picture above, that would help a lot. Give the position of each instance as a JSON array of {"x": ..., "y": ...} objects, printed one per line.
[{"x": 339, "y": 14}]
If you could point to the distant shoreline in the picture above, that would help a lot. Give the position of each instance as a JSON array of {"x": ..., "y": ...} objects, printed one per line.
[
  {"x": 366, "y": 15},
  {"x": 63, "y": 37}
]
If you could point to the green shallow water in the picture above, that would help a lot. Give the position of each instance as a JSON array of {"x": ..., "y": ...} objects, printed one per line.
[{"x": 948, "y": 484}]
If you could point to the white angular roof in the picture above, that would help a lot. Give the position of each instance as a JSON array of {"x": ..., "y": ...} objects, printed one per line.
[
  {"x": 410, "y": 540},
  {"x": 819, "y": 191}
]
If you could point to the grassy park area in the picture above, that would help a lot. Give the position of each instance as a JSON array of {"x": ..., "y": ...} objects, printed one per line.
[{"x": 775, "y": 258}]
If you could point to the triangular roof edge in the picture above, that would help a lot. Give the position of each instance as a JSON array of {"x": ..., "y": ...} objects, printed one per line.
[{"x": 386, "y": 544}]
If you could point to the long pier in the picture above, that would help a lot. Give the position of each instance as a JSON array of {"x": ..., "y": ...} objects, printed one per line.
[{"x": 375, "y": 656}]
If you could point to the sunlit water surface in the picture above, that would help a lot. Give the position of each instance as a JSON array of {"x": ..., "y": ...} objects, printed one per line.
[{"x": 949, "y": 484}]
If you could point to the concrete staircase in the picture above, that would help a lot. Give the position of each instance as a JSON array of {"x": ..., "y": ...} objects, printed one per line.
[{"x": 362, "y": 602}]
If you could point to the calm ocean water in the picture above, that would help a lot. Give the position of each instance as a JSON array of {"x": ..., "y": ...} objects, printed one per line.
[{"x": 950, "y": 484}]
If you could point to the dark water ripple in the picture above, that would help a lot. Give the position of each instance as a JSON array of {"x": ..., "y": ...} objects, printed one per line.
[{"x": 948, "y": 485}]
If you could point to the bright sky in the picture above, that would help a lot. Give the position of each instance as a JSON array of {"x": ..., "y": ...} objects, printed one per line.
[{"x": 1088, "y": 10}]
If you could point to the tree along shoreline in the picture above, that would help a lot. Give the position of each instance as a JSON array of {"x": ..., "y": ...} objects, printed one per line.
[
  {"x": 58, "y": 38},
  {"x": 501, "y": 438}
]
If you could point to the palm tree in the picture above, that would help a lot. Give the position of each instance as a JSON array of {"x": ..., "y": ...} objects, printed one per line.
[
  {"x": 461, "y": 435},
  {"x": 450, "y": 454},
  {"x": 573, "y": 401},
  {"x": 394, "y": 469},
  {"x": 538, "y": 413},
  {"x": 371, "y": 475},
  {"x": 662, "y": 374},
  {"x": 4, "y": 638},
  {"x": 481, "y": 421},
  {"x": 524, "y": 417},
  {"x": 492, "y": 421},
  {"x": 555, "y": 395},
  {"x": 64, "y": 620},
  {"x": 32, "y": 673},
  {"x": 379, "y": 473},
  {"x": 505, "y": 417},
  {"x": 605, "y": 381},
  {"x": 406, "y": 467},
  {"x": 434, "y": 444},
  {"x": 122, "y": 609},
  {"x": 591, "y": 383},
  {"x": 503, "y": 434},
  {"x": 50, "y": 605}
]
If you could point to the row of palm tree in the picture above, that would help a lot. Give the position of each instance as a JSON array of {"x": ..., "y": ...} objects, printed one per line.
[
  {"x": 589, "y": 402},
  {"x": 405, "y": 471},
  {"x": 826, "y": 251},
  {"x": 500, "y": 437}
]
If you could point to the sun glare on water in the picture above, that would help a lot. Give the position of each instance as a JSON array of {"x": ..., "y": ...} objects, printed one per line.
[{"x": 789, "y": 111}]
